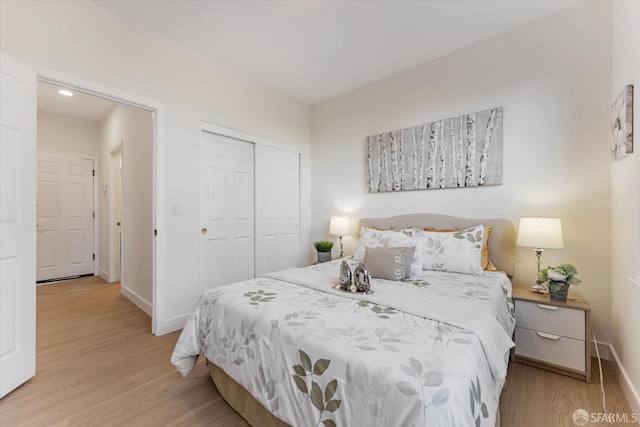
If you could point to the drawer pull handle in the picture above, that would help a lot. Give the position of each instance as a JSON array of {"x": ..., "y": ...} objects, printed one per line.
[
  {"x": 547, "y": 307},
  {"x": 548, "y": 336}
]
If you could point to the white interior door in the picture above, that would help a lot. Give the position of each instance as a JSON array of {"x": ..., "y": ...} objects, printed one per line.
[
  {"x": 65, "y": 217},
  {"x": 17, "y": 224},
  {"x": 277, "y": 209},
  {"x": 227, "y": 233}
]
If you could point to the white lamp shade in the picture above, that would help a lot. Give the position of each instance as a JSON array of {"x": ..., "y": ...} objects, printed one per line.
[
  {"x": 339, "y": 225},
  {"x": 540, "y": 233}
]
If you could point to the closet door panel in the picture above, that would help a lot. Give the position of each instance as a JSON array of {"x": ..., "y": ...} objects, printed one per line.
[
  {"x": 277, "y": 209},
  {"x": 227, "y": 210},
  {"x": 250, "y": 210}
]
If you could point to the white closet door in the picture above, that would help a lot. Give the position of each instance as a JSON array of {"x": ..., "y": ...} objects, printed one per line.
[
  {"x": 227, "y": 233},
  {"x": 17, "y": 224},
  {"x": 277, "y": 209},
  {"x": 65, "y": 217}
]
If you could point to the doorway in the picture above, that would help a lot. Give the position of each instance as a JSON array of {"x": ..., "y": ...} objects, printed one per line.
[
  {"x": 18, "y": 120},
  {"x": 122, "y": 196}
]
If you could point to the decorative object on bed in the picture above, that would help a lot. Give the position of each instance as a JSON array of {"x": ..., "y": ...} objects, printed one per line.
[
  {"x": 540, "y": 234},
  {"x": 323, "y": 247},
  {"x": 622, "y": 124},
  {"x": 559, "y": 278},
  {"x": 346, "y": 277},
  {"x": 426, "y": 345},
  {"x": 361, "y": 279},
  {"x": 463, "y": 151},
  {"x": 340, "y": 226}
]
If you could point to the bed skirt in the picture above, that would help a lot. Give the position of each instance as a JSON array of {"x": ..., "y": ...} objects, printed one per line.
[
  {"x": 241, "y": 400},
  {"x": 250, "y": 409}
]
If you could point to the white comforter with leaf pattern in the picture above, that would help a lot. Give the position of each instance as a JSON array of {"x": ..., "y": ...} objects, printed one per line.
[{"x": 425, "y": 352}]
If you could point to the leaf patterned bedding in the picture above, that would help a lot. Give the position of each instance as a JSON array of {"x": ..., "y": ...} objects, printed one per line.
[{"x": 315, "y": 356}]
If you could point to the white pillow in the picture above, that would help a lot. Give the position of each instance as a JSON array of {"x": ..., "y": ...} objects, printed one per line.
[
  {"x": 369, "y": 238},
  {"x": 401, "y": 239},
  {"x": 455, "y": 251}
]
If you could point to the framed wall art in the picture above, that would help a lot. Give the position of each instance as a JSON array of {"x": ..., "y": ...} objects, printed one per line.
[
  {"x": 463, "y": 151},
  {"x": 622, "y": 124}
]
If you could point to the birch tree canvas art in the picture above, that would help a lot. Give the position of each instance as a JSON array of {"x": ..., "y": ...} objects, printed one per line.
[{"x": 464, "y": 151}]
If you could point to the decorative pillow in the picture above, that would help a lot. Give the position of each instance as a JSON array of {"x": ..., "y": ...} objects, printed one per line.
[
  {"x": 455, "y": 251},
  {"x": 404, "y": 240},
  {"x": 389, "y": 263},
  {"x": 370, "y": 238},
  {"x": 486, "y": 263}
]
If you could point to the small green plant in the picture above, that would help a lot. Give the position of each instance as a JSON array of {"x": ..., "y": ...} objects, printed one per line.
[
  {"x": 323, "y": 245},
  {"x": 562, "y": 273}
]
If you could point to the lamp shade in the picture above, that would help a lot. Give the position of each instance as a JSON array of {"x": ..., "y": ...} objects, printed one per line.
[
  {"x": 339, "y": 225},
  {"x": 540, "y": 233}
]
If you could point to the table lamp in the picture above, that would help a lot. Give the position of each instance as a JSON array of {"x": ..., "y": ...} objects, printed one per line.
[
  {"x": 340, "y": 226},
  {"x": 540, "y": 234}
]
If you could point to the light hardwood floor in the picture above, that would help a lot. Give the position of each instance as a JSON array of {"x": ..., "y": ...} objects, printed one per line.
[
  {"x": 98, "y": 365},
  {"x": 536, "y": 398}
]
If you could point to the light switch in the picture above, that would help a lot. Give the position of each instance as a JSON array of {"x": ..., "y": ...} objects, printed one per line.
[{"x": 175, "y": 208}]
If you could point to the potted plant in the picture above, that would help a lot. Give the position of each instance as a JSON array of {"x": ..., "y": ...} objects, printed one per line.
[
  {"x": 324, "y": 250},
  {"x": 559, "y": 278}
]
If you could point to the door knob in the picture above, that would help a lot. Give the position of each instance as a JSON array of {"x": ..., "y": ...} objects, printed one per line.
[
  {"x": 118, "y": 223},
  {"x": 203, "y": 231}
]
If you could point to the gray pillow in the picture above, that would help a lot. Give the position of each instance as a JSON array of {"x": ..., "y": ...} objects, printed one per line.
[{"x": 389, "y": 263}]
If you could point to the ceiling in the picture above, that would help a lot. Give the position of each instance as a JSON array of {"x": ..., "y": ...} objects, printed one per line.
[
  {"x": 315, "y": 50},
  {"x": 81, "y": 105}
]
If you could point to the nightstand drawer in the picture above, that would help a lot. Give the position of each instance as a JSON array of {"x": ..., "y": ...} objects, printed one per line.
[
  {"x": 550, "y": 348},
  {"x": 566, "y": 322}
]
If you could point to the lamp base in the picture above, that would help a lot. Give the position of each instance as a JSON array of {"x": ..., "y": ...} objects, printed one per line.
[{"x": 538, "y": 289}]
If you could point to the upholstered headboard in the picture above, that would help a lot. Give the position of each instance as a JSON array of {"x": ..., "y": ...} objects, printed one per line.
[{"x": 501, "y": 242}]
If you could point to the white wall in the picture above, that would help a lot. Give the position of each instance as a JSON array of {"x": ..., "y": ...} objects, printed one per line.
[
  {"x": 62, "y": 134},
  {"x": 133, "y": 128},
  {"x": 625, "y": 206},
  {"x": 84, "y": 41},
  {"x": 553, "y": 78}
]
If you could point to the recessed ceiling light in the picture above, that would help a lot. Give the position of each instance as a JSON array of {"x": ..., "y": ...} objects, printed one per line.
[{"x": 65, "y": 92}]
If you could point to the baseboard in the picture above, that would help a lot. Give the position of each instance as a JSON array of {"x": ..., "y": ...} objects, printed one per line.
[
  {"x": 105, "y": 276},
  {"x": 136, "y": 299},
  {"x": 608, "y": 352},
  {"x": 171, "y": 325},
  {"x": 628, "y": 388}
]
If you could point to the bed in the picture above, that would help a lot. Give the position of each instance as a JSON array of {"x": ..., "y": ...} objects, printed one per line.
[{"x": 290, "y": 349}]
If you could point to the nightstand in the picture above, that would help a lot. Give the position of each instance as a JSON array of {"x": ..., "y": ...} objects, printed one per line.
[{"x": 553, "y": 335}]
